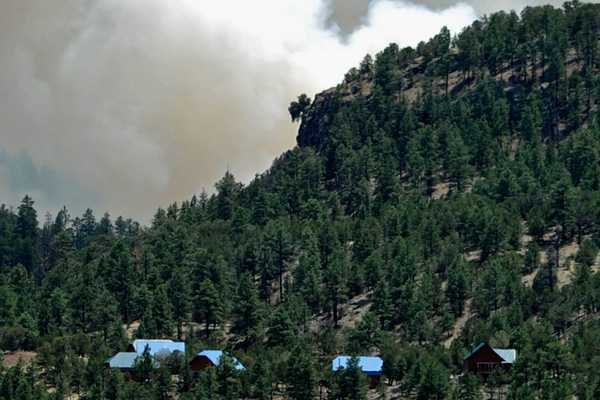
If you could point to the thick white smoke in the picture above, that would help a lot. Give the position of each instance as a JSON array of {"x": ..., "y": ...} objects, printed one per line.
[{"x": 125, "y": 105}]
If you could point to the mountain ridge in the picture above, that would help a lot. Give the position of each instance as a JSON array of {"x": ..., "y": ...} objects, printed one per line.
[{"x": 439, "y": 197}]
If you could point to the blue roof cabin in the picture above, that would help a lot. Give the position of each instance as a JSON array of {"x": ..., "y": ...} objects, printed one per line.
[
  {"x": 211, "y": 358},
  {"x": 370, "y": 366},
  {"x": 122, "y": 361},
  {"x": 156, "y": 347}
]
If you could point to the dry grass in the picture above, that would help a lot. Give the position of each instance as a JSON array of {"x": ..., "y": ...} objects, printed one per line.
[
  {"x": 440, "y": 190},
  {"x": 460, "y": 324},
  {"x": 131, "y": 329},
  {"x": 354, "y": 311},
  {"x": 13, "y": 358}
]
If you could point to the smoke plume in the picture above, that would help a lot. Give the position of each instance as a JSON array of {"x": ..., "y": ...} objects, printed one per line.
[
  {"x": 125, "y": 105},
  {"x": 349, "y": 14}
]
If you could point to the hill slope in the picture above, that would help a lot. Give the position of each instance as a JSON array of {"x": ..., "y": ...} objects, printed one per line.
[{"x": 438, "y": 197}]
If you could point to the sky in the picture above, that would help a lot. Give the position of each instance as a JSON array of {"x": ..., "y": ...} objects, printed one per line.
[{"x": 127, "y": 105}]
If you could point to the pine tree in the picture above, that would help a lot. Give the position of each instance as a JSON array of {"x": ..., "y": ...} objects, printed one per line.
[
  {"x": 387, "y": 181},
  {"x": 457, "y": 289},
  {"x": 299, "y": 108},
  {"x": 350, "y": 382},
  {"x": 261, "y": 379},
  {"x": 180, "y": 294},
  {"x": 366, "y": 335},
  {"x": 458, "y": 160},
  {"x": 469, "y": 388},
  {"x": 301, "y": 374},
  {"x": 228, "y": 379},
  {"x": 382, "y": 304},
  {"x": 532, "y": 257},
  {"x": 307, "y": 276},
  {"x": 26, "y": 229},
  {"x": 144, "y": 366},
  {"x": 246, "y": 310},
  {"x": 434, "y": 382},
  {"x": 279, "y": 242},
  {"x": 281, "y": 328},
  {"x": 335, "y": 284},
  {"x": 162, "y": 311},
  {"x": 227, "y": 195},
  {"x": 120, "y": 278},
  {"x": 208, "y": 305}
]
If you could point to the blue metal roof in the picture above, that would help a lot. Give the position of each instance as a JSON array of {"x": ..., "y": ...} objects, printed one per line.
[
  {"x": 215, "y": 357},
  {"x": 508, "y": 355},
  {"x": 123, "y": 360},
  {"x": 158, "y": 347},
  {"x": 369, "y": 365}
]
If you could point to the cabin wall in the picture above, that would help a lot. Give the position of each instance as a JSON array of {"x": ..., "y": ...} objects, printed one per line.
[
  {"x": 479, "y": 361},
  {"x": 200, "y": 363},
  {"x": 374, "y": 381}
]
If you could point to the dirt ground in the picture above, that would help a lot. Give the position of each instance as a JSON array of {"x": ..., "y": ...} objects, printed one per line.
[{"x": 12, "y": 358}]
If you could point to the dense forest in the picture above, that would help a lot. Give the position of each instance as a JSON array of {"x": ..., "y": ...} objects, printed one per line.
[{"x": 438, "y": 197}]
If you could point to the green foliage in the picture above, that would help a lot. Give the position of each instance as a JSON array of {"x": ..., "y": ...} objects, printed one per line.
[
  {"x": 208, "y": 305},
  {"x": 301, "y": 374},
  {"x": 402, "y": 213},
  {"x": 349, "y": 382},
  {"x": 299, "y": 107}
]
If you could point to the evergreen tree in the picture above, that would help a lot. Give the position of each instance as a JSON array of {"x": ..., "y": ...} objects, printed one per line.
[
  {"x": 279, "y": 243},
  {"x": 334, "y": 280},
  {"x": 246, "y": 310},
  {"x": 144, "y": 366},
  {"x": 301, "y": 374},
  {"x": 349, "y": 382},
  {"x": 208, "y": 306},
  {"x": 434, "y": 382},
  {"x": 382, "y": 304},
  {"x": 162, "y": 311},
  {"x": 457, "y": 160},
  {"x": 228, "y": 379},
  {"x": 228, "y": 191},
  {"x": 180, "y": 294},
  {"x": 457, "y": 289},
  {"x": 26, "y": 229},
  {"x": 298, "y": 108}
]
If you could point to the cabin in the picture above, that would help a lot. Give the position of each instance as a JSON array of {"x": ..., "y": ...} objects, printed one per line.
[
  {"x": 372, "y": 367},
  {"x": 485, "y": 359},
  {"x": 161, "y": 351},
  {"x": 157, "y": 347},
  {"x": 211, "y": 358},
  {"x": 124, "y": 362}
]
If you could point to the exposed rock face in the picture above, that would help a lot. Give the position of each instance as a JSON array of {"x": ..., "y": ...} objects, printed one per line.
[{"x": 315, "y": 122}]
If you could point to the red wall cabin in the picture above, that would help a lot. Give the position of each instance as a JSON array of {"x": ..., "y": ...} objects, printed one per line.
[{"x": 485, "y": 359}]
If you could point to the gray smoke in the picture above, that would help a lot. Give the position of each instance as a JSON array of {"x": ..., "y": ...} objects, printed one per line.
[{"x": 349, "y": 14}]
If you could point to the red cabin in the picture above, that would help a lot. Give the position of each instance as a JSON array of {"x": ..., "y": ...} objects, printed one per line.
[{"x": 485, "y": 359}]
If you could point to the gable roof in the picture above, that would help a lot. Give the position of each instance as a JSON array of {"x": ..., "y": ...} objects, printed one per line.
[
  {"x": 215, "y": 357},
  {"x": 123, "y": 360},
  {"x": 158, "y": 346},
  {"x": 508, "y": 356},
  {"x": 368, "y": 365}
]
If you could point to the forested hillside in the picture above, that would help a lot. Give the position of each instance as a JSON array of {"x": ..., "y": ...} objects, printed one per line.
[{"x": 438, "y": 197}]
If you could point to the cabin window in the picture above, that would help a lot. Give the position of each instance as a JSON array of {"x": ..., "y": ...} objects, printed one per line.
[{"x": 486, "y": 366}]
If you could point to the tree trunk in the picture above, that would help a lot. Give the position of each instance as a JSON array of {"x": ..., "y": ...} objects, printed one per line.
[{"x": 335, "y": 313}]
